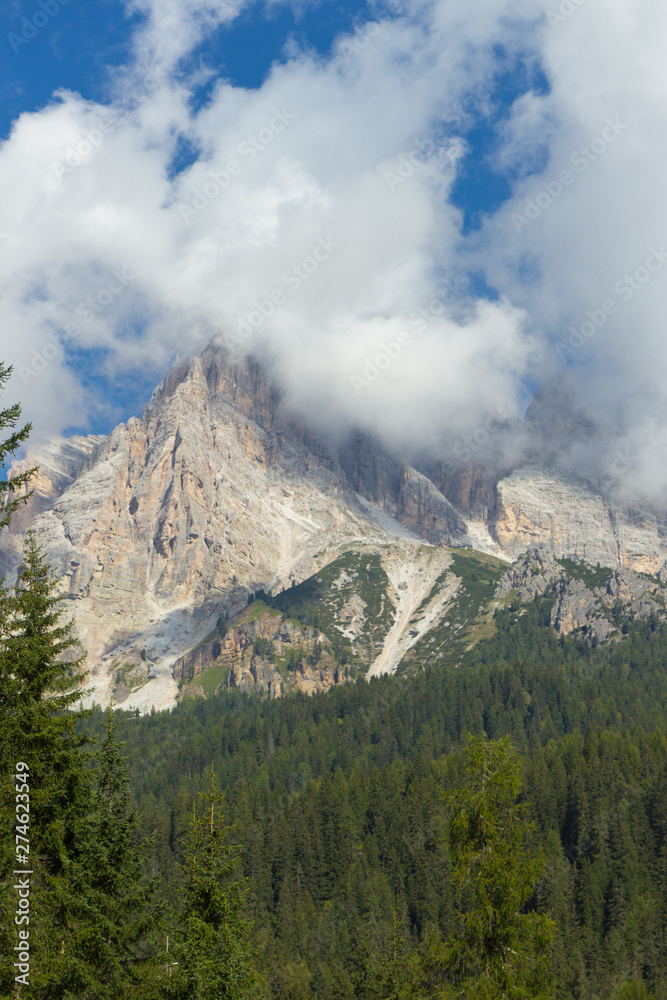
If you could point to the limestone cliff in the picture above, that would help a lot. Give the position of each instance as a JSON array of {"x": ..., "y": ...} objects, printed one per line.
[
  {"x": 548, "y": 506},
  {"x": 213, "y": 492},
  {"x": 216, "y": 491}
]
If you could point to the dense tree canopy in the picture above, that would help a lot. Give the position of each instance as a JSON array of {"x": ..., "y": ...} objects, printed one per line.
[
  {"x": 338, "y": 804},
  {"x": 497, "y": 829}
]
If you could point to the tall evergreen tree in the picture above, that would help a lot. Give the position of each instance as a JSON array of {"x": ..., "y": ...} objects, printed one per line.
[
  {"x": 115, "y": 913},
  {"x": 212, "y": 954},
  {"x": 39, "y": 672},
  {"x": 500, "y": 952},
  {"x": 91, "y": 909},
  {"x": 13, "y": 493}
]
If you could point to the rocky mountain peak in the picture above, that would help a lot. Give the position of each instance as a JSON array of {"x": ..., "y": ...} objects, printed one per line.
[{"x": 216, "y": 492}]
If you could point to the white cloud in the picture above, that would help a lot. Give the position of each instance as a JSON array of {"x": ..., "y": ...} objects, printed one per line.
[
  {"x": 607, "y": 125},
  {"x": 171, "y": 29},
  {"x": 353, "y": 150},
  {"x": 300, "y": 160}
]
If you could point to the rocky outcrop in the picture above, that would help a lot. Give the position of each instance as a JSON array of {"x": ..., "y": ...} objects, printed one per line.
[
  {"x": 401, "y": 491},
  {"x": 422, "y": 508},
  {"x": 471, "y": 488},
  {"x": 200, "y": 658},
  {"x": 260, "y": 677},
  {"x": 59, "y": 462},
  {"x": 256, "y": 677},
  {"x": 631, "y": 588},
  {"x": 264, "y": 654},
  {"x": 584, "y": 602},
  {"x": 577, "y": 607},
  {"x": 532, "y": 575},
  {"x": 235, "y": 643}
]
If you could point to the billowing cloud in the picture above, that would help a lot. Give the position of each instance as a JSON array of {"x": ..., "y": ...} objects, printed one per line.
[
  {"x": 582, "y": 245},
  {"x": 315, "y": 223}
]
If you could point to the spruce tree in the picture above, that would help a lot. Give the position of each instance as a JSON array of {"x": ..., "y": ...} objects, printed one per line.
[
  {"x": 115, "y": 913},
  {"x": 13, "y": 493},
  {"x": 398, "y": 976},
  {"x": 501, "y": 952},
  {"x": 212, "y": 955},
  {"x": 39, "y": 677}
]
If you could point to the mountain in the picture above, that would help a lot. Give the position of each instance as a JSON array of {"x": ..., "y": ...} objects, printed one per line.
[{"x": 161, "y": 532}]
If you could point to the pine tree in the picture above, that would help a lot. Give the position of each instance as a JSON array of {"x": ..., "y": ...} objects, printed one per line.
[
  {"x": 13, "y": 493},
  {"x": 212, "y": 954},
  {"x": 38, "y": 678},
  {"x": 501, "y": 952},
  {"x": 398, "y": 975},
  {"x": 115, "y": 914}
]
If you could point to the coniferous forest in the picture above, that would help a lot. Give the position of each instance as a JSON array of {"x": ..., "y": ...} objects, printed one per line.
[{"x": 495, "y": 830}]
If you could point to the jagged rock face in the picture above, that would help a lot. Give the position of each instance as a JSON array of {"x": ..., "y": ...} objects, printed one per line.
[
  {"x": 531, "y": 575},
  {"x": 577, "y": 607},
  {"x": 404, "y": 493},
  {"x": 583, "y": 603},
  {"x": 59, "y": 462},
  {"x": 231, "y": 646},
  {"x": 564, "y": 513},
  {"x": 251, "y": 672},
  {"x": 168, "y": 522},
  {"x": 261, "y": 677},
  {"x": 471, "y": 489},
  {"x": 211, "y": 493},
  {"x": 369, "y": 470}
]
